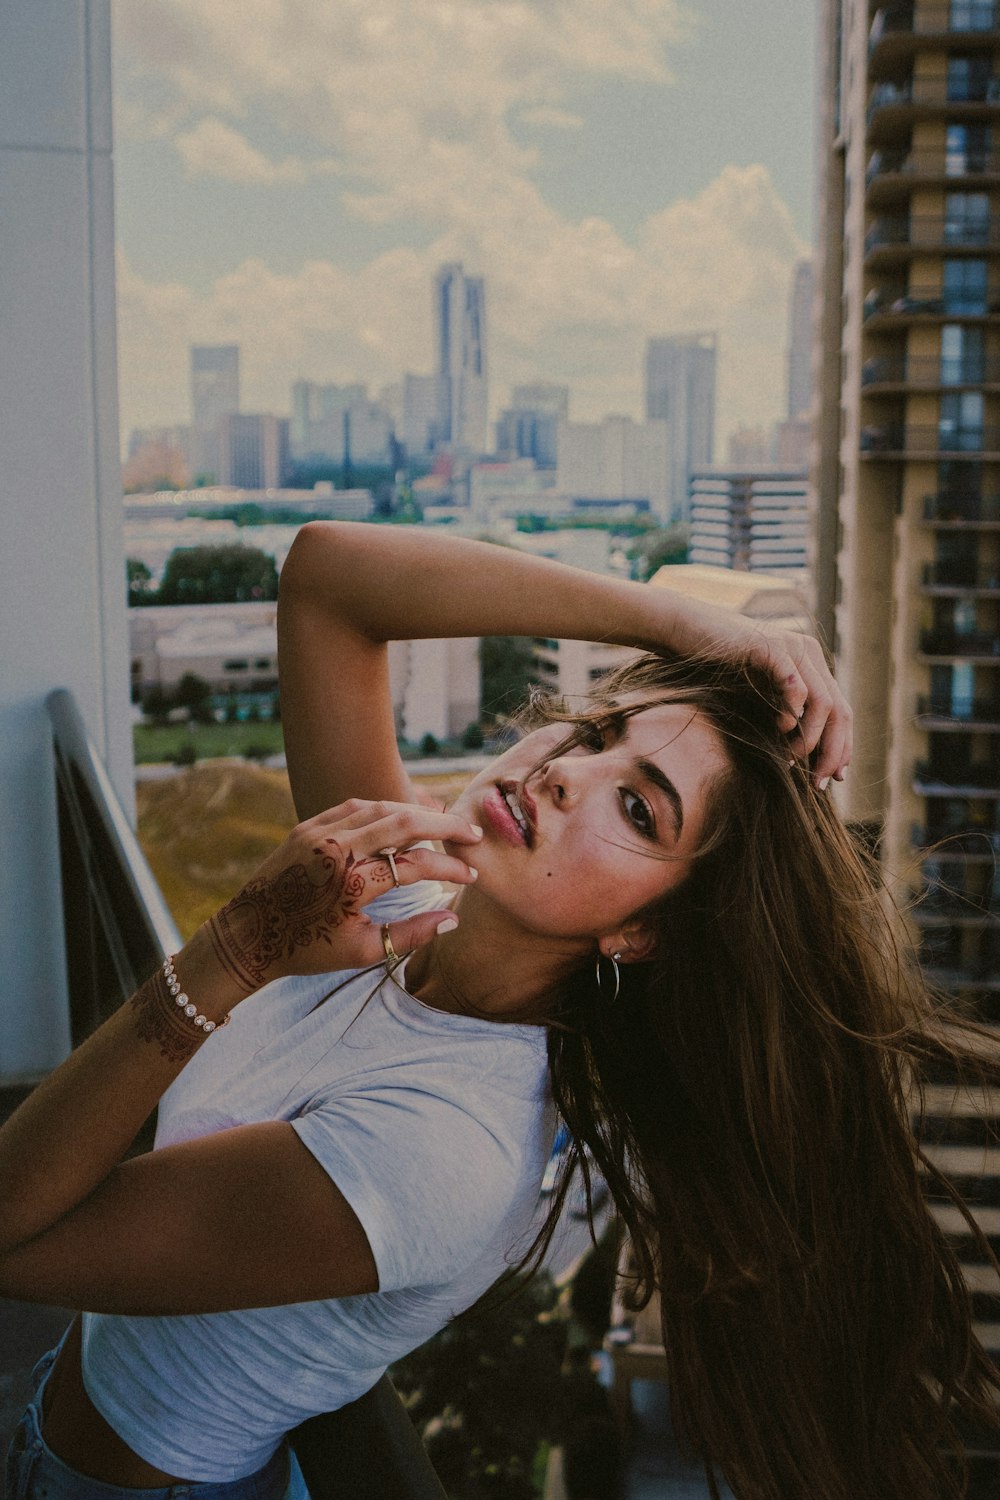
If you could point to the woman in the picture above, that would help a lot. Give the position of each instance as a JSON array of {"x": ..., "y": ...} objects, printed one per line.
[{"x": 660, "y": 919}]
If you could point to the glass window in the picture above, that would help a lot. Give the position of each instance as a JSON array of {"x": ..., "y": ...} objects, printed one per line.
[
  {"x": 966, "y": 218},
  {"x": 965, "y": 286},
  {"x": 969, "y": 78},
  {"x": 963, "y": 354},
  {"x": 971, "y": 15},
  {"x": 966, "y": 149},
  {"x": 960, "y": 423}
]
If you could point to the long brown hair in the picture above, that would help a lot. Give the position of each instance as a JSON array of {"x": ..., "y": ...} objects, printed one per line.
[{"x": 748, "y": 1099}]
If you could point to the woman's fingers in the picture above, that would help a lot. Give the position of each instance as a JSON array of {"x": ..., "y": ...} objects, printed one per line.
[
  {"x": 412, "y": 865},
  {"x": 411, "y": 932},
  {"x": 368, "y": 826}
]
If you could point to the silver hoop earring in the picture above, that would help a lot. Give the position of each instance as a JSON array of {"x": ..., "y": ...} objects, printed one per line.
[{"x": 613, "y": 961}]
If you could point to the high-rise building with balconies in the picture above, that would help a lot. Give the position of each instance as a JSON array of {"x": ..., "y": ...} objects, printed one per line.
[{"x": 907, "y": 557}]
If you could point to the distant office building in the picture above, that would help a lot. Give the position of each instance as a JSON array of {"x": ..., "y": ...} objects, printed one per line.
[
  {"x": 215, "y": 393},
  {"x": 420, "y": 413},
  {"x": 800, "y": 340},
  {"x": 541, "y": 395},
  {"x": 253, "y": 451},
  {"x": 460, "y": 322},
  {"x": 751, "y": 448},
  {"x": 528, "y": 428},
  {"x": 336, "y": 422},
  {"x": 680, "y": 390},
  {"x": 616, "y": 459},
  {"x": 753, "y": 521},
  {"x": 525, "y": 432},
  {"x": 157, "y": 457}
]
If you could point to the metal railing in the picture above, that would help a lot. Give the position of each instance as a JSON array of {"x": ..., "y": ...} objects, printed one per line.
[
  {"x": 932, "y": 232},
  {"x": 964, "y": 711},
  {"x": 959, "y": 165},
  {"x": 962, "y": 507},
  {"x": 117, "y": 925},
  {"x": 932, "y": 370},
  {"x": 117, "y": 929},
  {"x": 965, "y": 18},
  {"x": 930, "y": 301},
  {"x": 961, "y": 575},
  {"x": 961, "y": 643},
  {"x": 926, "y": 438},
  {"x": 939, "y": 89}
]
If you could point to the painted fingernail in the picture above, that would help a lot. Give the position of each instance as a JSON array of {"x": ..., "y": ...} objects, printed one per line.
[
  {"x": 474, "y": 873},
  {"x": 824, "y": 783},
  {"x": 448, "y": 925},
  {"x": 477, "y": 830}
]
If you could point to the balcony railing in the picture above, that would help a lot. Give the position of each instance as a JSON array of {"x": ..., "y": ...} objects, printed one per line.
[
  {"x": 961, "y": 643},
  {"x": 968, "y": 838},
  {"x": 932, "y": 370},
  {"x": 979, "y": 778},
  {"x": 959, "y": 710},
  {"x": 961, "y": 18},
  {"x": 939, "y": 89},
  {"x": 932, "y": 232},
  {"x": 931, "y": 301},
  {"x": 968, "y": 508},
  {"x": 930, "y": 163},
  {"x": 894, "y": 438},
  {"x": 120, "y": 928},
  {"x": 961, "y": 575}
]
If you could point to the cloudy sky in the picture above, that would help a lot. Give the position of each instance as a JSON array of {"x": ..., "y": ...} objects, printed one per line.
[{"x": 290, "y": 173}]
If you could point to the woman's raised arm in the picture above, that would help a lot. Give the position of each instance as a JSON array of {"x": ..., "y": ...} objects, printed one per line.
[{"x": 347, "y": 589}]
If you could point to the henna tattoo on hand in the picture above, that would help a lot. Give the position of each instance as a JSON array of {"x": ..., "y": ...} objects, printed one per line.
[
  {"x": 157, "y": 1019},
  {"x": 272, "y": 917}
]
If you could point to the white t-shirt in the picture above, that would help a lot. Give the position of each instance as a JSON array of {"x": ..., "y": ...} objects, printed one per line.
[{"x": 435, "y": 1127}]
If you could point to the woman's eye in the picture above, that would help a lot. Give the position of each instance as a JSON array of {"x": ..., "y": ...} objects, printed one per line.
[{"x": 638, "y": 812}]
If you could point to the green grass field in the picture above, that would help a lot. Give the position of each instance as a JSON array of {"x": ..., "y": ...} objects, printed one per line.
[{"x": 210, "y": 741}]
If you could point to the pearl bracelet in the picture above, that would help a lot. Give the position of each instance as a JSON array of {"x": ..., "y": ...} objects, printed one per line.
[{"x": 186, "y": 1005}]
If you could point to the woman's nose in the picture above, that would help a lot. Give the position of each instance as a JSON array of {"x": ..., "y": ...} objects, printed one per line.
[{"x": 561, "y": 778}]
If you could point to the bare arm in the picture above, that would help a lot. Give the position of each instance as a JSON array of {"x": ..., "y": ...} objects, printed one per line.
[
  {"x": 206, "y": 1225},
  {"x": 347, "y": 589}
]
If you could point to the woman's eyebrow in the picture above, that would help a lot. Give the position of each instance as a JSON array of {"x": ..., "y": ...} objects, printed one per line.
[{"x": 652, "y": 773}]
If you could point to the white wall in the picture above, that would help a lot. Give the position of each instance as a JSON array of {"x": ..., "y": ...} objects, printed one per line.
[{"x": 62, "y": 615}]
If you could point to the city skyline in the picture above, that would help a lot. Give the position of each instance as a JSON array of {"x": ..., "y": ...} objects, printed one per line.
[{"x": 615, "y": 173}]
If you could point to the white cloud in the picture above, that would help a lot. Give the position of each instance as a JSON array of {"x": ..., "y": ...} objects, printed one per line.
[
  {"x": 548, "y": 116},
  {"x": 568, "y": 301},
  {"x": 214, "y": 149}
]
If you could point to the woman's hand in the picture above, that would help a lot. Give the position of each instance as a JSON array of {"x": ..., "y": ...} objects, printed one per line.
[
  {"x": 303, "y": 911},
  {"x": 817, "y": 717}
]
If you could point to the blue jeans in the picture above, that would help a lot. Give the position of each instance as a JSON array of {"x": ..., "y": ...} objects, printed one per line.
[{"x": 33, "y": 1472}]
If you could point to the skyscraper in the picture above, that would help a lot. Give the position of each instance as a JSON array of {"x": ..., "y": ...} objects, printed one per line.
[
  {"x": 800, "y": 339},
  {"x": 215, "y": 393},
  {"x": 460, "y": 322},
  {"x": 680, "y": 390},
  {"x": 907, "y": 472}
]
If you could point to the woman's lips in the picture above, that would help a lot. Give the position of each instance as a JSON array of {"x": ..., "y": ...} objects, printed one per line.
[{"x": 501, "y": 819}]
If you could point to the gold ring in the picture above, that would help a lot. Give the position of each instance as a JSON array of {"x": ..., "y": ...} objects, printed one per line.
[
  {"x": 387, "y": 854},
  {"x": 391, "y": 955}
]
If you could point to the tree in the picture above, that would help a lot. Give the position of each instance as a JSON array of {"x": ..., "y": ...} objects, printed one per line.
[
  {"x": 195, "y": 694},
  {"x": 429, "y": 745},
  {"x": 156, "y": 705},
  {"x": 472, "y": 737},
  {"x": 504, "y": 673},
  {"x": 232, "y": 574},
  {"x": 140, "y": 582},
  {"x": 667, "y": 544}
]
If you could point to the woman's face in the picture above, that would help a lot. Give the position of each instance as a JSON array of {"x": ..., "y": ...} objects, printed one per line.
[{"x": 574, "y": 845}]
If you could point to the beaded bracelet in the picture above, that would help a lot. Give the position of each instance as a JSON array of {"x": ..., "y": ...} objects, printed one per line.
[{"x": 186, "y": 1005}]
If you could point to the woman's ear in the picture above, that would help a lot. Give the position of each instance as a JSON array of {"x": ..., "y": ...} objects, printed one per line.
[{"x": 633, "y": 943}]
